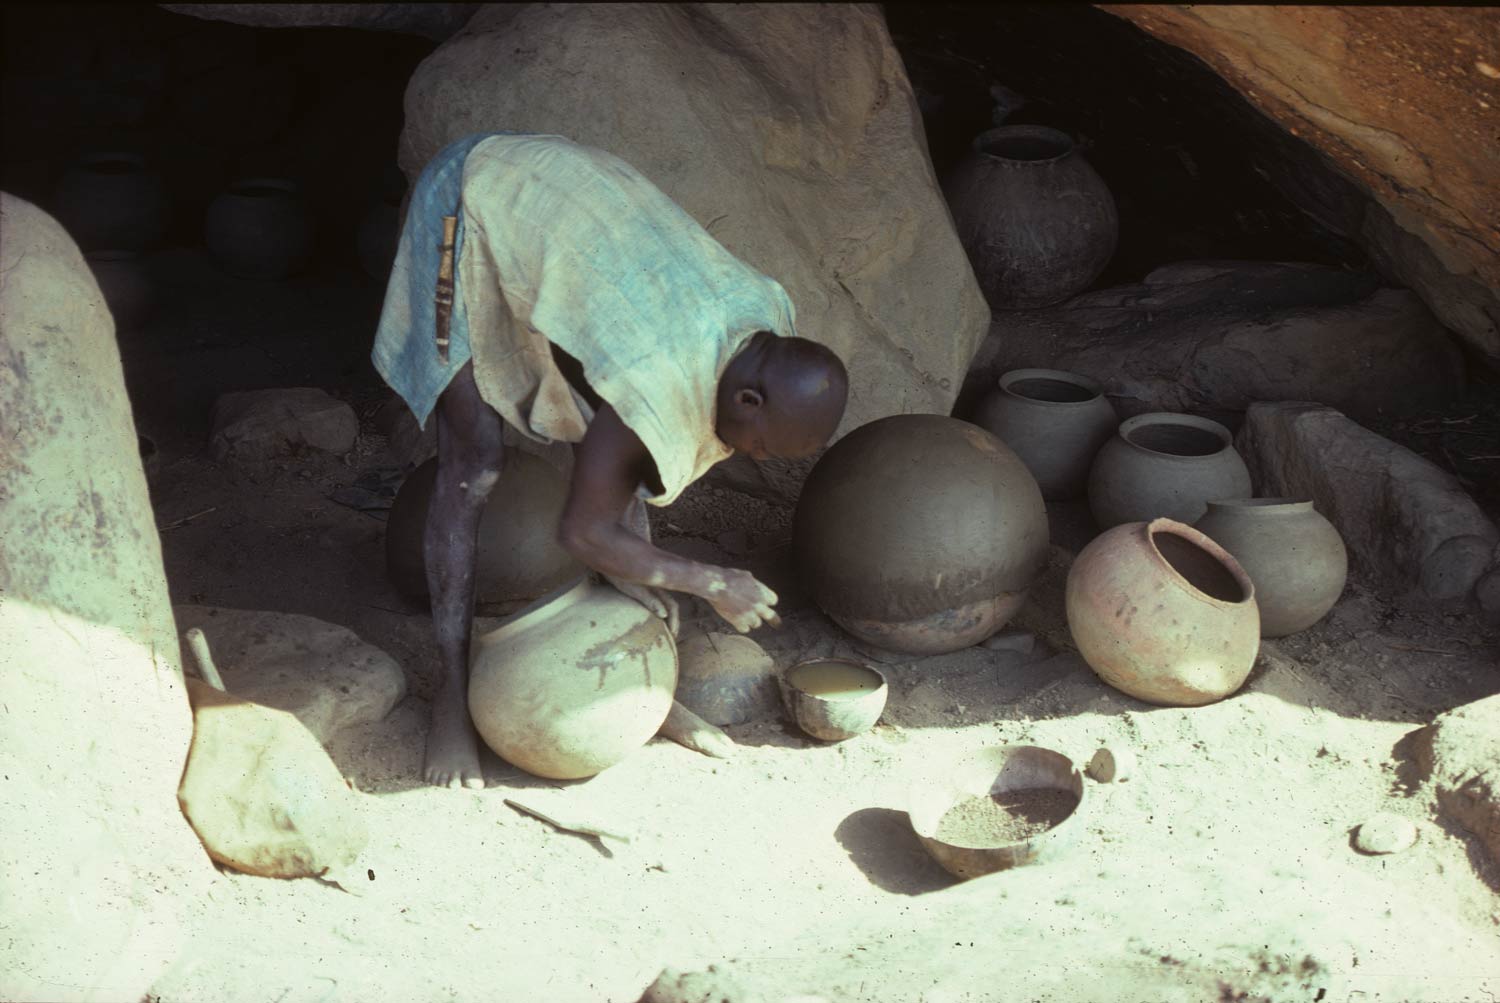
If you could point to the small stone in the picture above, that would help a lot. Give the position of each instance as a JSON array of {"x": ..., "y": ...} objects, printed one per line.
[
  {"x": 257, "y": 426},
  {"x": 1111, "y": 766},
  {"x": 1385, "y": 833}
]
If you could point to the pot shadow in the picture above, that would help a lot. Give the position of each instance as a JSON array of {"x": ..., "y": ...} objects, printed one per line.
[{"x": 881, "y": 843}]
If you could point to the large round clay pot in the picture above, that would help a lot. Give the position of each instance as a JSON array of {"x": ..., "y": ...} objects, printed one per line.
[
  {"x": 573, "y": 684},
  {"x": 127, "y": 286},
  {"x": 1163, "y": 613},
  {"x": 1164, "y": 465},
  {"x": 259, "y": 229},
  {"x": 1055, "y": 421},
  {"x": 920, "y": 533},
  {"x": 1295, "y": 557},
  {"x": 519, "y": 556},
  {"x": 1038, "y": 223},
  {"x": 112, "y": 200}
]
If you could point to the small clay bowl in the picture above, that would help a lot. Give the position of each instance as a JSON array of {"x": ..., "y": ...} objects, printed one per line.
[
  {"x": 989, "y": 846},
  {"x": 833, "y": 698}
]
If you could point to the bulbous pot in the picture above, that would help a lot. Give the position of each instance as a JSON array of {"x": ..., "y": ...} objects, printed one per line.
[
  {"x": 112, "y": 201},
  {"x": 1164, "y": 465},
  {"x": 259, "y": 229},
  {"x": 125, "y": 283},
  {"x": 1055, "y": 421},
  {"x": 519, "y": 556},
  {"x": 920, "y": 533},
  {"x": 573, "y": 684},
  {"x": 1038, "y": 223},
  {"x": 1295, "y": 557},
  {"x": 1163, "y": 613}
]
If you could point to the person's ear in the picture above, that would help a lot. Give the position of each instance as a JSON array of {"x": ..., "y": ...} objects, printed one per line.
[{"x": 749, "y": 398}]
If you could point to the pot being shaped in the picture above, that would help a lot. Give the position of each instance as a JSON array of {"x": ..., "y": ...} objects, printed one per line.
[
  {"x": 920, "y": 533},
  {"x": 1055, "y": 422},
  {"x": 126, "y": 285},
  {"x": 1295, "y": 557},
  {"x": 259, "y": 229},
  {"x": 112, "y": 200},
  {"x": 519, "y": 556},
  {"x": 1164, "y": 465},
  {"x": 573, "y": 684},
  {"x": 1163, "y": 613},
  {"x": 1038, "y": 223}
]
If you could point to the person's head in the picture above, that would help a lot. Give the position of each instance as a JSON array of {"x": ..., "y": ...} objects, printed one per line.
[{"x": 781, "y": 398}]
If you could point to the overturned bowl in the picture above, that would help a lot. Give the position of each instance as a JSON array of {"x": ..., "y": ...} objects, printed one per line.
[
  {"x": 998, "y": 808},
  {"x": 833, "y": 698}
]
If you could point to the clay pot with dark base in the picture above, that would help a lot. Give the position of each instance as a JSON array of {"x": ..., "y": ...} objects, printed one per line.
[
  {"x": 920, "y": 533},
  {"x": 519, "y": 556},
  {"x": 126, "y": 284},
  {"x": 574, "y": 684},
  {"x": 1164, "y": 465},
  {"x": 112, "y": 201},
  {"x": 1055, "y": 421},
  {"x": 1163, "y": 613},
  {"x": 1038, "y": 223},
  {"x": 1295, "y": 557},
  {"x": 259, "y": 229}
]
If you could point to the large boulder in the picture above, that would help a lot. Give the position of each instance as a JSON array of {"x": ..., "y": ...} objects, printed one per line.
[
  {"x": 1402, "y": 517},
  {"x": 789, "y": 131},
  {"x": 1461, "y": 753},
  {"x": 1399, "y": 99},
  {"x": 97, "y": 724}
]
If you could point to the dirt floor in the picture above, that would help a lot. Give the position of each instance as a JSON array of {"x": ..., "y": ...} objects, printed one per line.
[{"x": 794, "y": 846}]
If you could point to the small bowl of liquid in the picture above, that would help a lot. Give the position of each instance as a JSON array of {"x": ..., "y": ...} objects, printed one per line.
[{"x": 833, "y": 698}]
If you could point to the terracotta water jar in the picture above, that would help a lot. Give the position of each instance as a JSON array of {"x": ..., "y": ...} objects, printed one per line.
[
  {"x": 126, "y": 284},
  {"x": 920, "y": 533},
  {"x": 112, "y": 200},
  {"x": 574, "y": 684},
  {"x": 519, "y": 556},
  {"x": 1295, "y": 557},
  {"x": 1164, "y": 465},
  {"x": 1163, "y": 613},
  {"x": 1055, "y": 421},
  {"x": 259, "y": 229},
  {"x": 1038, "y": 223}
]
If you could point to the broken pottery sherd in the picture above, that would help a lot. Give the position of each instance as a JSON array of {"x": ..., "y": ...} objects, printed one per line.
[
  {"x": 920, "y": 533},
  {"x": 262, "y": 794},
  {"x": 1163, "y": 613},
  {"x": 574, "y": 683},
  {"x": 834, "y": 698},
  {"x": 1111, "y": 766}
]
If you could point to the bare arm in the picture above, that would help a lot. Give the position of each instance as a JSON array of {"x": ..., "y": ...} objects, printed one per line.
[{"x": 610, "y": 462}]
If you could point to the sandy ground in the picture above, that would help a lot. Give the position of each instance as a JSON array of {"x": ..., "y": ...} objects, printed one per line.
[{"x": 794, "y": 846}]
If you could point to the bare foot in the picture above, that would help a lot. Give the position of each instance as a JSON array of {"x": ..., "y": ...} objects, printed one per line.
[{"x": 452, "y": 746}]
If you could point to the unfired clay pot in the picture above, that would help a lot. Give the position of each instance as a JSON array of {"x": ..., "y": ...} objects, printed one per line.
[
  {"x": 574, "y": 684},
  {"x": 920, "y": 533},
  {"x": 1164, "y": 465},
  {"x": 112, "y": 200},
  {"x": 1038, "y": 223},
  {"x": 1295, "y": 557},
  {"x": 259, "y": 229},
  {"x": 1055, "y": 421},
  {"x": 1163, "y": 613},
  {"x": 126, "y": 285},
  {"x": 519, "y": 556}
]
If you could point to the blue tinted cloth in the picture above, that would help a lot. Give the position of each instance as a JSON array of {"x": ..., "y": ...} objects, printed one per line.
[{"x": 405, "y": 352}]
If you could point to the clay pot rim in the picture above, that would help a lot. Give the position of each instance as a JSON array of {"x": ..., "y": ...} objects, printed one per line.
[
  {"x": 1203, "y": 542},
  {"x": 1061, "y": 375},
  {"x": 996, "y": 756},
  {"x": 1275, "y": 506},
  {"x": 786, "y": 676},
  {"x": 1130, "y": 425},
  {"x": 553, "y": 602},
  {"x": 285, "y": 186},
  {"x": 1042, "y": 132}
]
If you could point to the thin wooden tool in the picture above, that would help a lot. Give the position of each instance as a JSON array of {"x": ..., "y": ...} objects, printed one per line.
[{"x": 578, "y": 827}]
